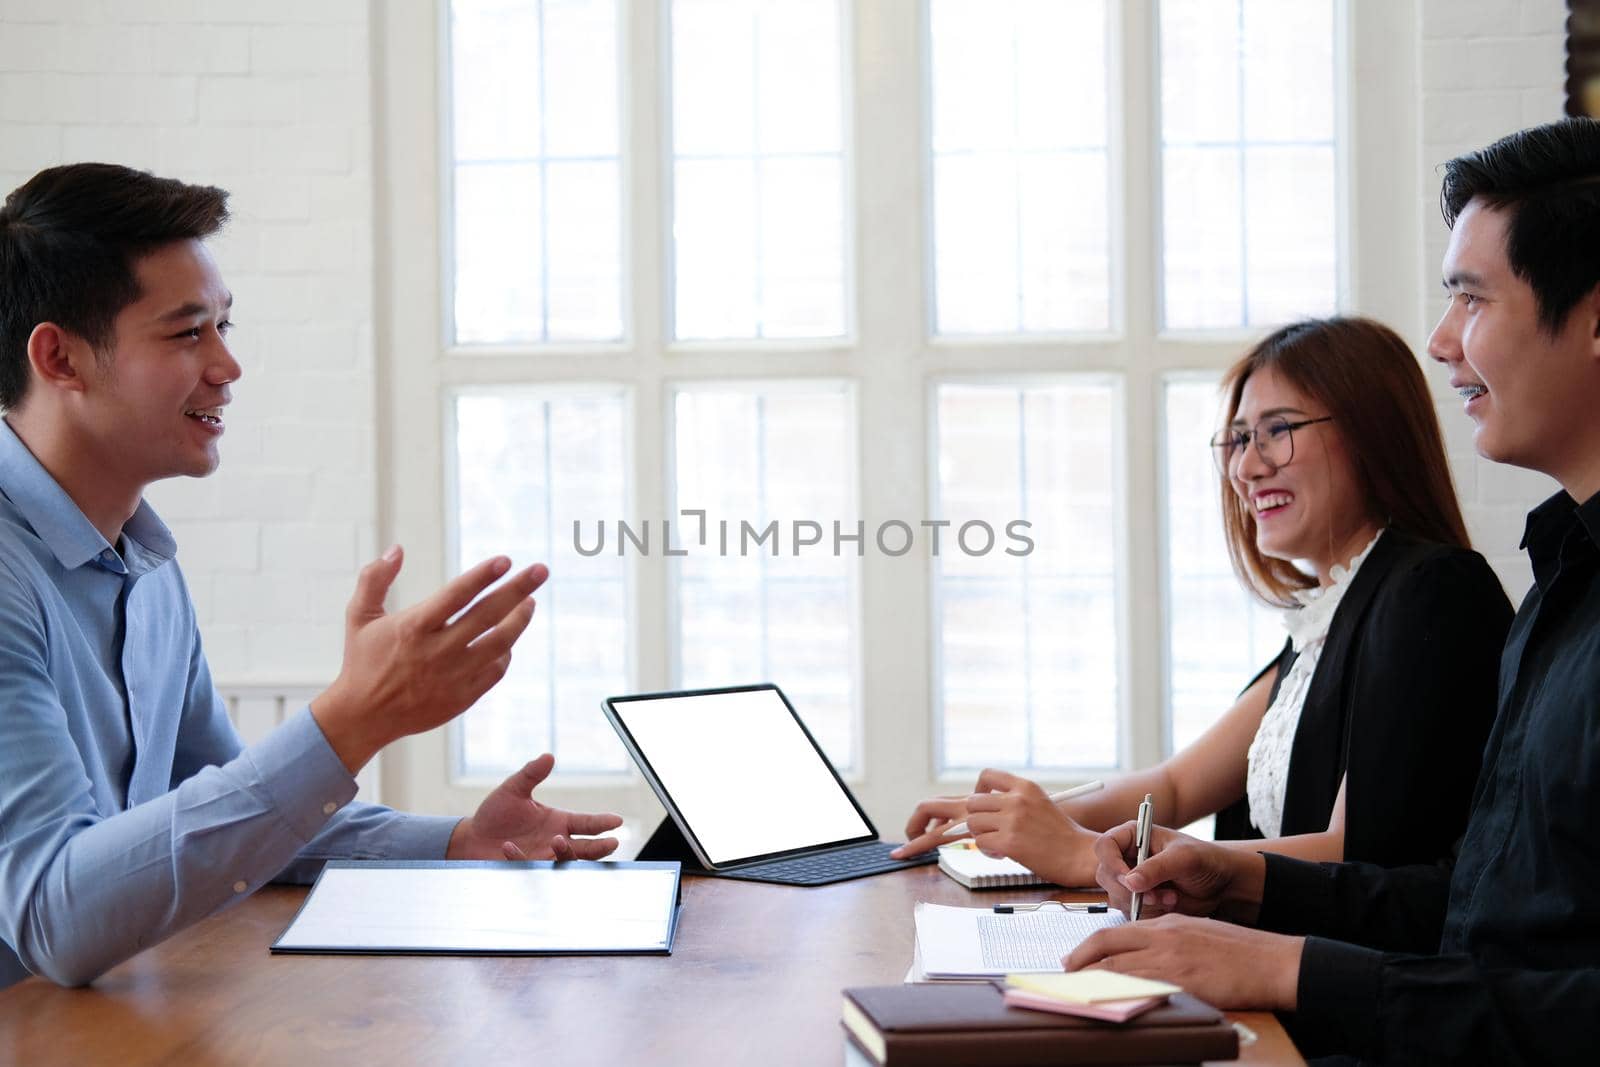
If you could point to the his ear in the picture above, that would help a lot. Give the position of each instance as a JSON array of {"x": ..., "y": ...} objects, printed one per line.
[
  {"x": 58, "y": 357},
  {"x": 1591, "y": 301}
]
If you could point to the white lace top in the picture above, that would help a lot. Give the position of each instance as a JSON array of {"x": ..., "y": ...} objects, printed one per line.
[{"x": 1268, "y": 776}]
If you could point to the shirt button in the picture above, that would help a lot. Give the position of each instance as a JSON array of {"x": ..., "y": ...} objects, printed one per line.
[
  {"x": 329, "y": 808},
  {"x": 240, "y": 887}
]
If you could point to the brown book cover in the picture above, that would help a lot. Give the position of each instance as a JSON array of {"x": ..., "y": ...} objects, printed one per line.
[{"x": 943, "y": 1024}]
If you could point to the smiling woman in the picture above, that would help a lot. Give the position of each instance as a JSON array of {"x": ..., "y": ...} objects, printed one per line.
[
  {"x": 1343, "y": 512},
  {"x": 1337, "y": 508},
  {"x": 1381, "y": 462}
]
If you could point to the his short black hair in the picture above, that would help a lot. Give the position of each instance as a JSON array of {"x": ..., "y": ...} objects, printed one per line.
[
  {"x": 1547, "y": 179},
  {"x": 69, "y": 239}
]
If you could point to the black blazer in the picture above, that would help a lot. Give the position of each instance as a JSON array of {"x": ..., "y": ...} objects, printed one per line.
[{"x": 1401, "y": 702}]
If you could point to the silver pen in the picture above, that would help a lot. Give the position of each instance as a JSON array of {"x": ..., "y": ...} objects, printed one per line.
[{"x": 1141, "y": 842}]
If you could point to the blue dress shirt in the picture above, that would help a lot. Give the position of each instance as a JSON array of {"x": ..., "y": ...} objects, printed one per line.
[{"x": 129, "y": 809}]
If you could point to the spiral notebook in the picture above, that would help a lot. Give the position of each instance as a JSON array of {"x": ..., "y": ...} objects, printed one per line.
[{"x": 976, "y": 871}]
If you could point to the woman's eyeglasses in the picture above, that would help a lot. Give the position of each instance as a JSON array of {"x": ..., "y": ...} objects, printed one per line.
[{"x": 1273, "y": 438}]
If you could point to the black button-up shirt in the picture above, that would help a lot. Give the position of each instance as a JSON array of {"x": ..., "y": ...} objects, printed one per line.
[{"x": 1506, "y": 938}]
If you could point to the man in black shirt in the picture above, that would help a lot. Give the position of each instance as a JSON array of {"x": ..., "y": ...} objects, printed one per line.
[{"x": 1494, "y": 958}]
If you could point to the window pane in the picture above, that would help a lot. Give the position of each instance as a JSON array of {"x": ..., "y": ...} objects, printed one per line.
[
  {"x": 536, "y": 129},
  {"x": 758, "y": 169},
  {"x": 1218, "y": 635},
  {"x": 584, "y": 231},
  {"x": 1027, "y": 642},
  {"x": 1250, "y": 193},
  {"x": 528, "y": 465},
  {"x": 499, "y": 241},
  {"x": 1020, "y": 176},
  {"x": 779, "y": 456}
]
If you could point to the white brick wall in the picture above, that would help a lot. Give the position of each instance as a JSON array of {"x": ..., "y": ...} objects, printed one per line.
[
  {"x": 272, "y": 102},
  {"x": 1488, "y": 68}
]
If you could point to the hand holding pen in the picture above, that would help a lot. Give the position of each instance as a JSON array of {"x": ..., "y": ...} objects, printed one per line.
[
  {"x": 1141, "y": 845},
  {"x": 1055, "y": 798},
  {"x": 1010, "y": 816},
  {"x": 1178, "y": 874}
]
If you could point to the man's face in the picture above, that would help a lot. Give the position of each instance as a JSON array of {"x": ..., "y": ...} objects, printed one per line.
[
  {"x": 1530, "y": 395},
  {"x": 155, "y": 409}
]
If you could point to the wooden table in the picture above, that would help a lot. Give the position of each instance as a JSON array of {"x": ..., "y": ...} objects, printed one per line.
[{"x": 754, "y": 979}]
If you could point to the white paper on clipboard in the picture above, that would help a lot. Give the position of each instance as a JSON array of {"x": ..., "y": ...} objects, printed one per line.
[{"x": 387, "y": 906}]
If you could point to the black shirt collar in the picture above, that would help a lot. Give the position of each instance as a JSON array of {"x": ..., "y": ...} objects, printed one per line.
[{"x": 1549, "y": 527}]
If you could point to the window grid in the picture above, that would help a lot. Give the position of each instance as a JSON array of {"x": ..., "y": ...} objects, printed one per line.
[
  {"x": 1241, "y": 147},
  {"x": 941, "y": 322},
  {"x": 479, "y": 741},
  {"x": 759, "y": 159},
  {"x": 1027, "y": 573},
  {"x": 779, "y": 576},
  {"x": 1143, "y": 354},
  {"x": 541, "y": 160},
  {"x": 1037, "y": 593}
]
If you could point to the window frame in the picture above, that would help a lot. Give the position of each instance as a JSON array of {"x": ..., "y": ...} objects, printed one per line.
[
  {"x": 449, "y": 395},
  {"x": 892, "y": 356},
  {"x": 852, "y": 774},
  {"x": 958, "y": 774},
  {"x": 1116, "y": 203},
  {"x": 446, "y": 208},
  {"x": 847, "y": 339}
]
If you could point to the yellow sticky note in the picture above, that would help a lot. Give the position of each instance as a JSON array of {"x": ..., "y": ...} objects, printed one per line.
[{"x": 1088, "y": 987}]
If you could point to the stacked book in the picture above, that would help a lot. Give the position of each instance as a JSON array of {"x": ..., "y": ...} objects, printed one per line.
[{"x": 925, "y": 1025}]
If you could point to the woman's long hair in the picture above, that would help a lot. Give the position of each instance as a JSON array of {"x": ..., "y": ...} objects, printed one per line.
[{"x": 1369, "y": 381}]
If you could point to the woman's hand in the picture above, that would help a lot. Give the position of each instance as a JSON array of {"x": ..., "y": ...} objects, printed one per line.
[
  {"x": 1012, "y": 816},
  {"x": 929, "y": 820}
]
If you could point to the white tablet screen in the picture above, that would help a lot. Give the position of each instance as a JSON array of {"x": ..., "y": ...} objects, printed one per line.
[{"x": 741, "y": 772}]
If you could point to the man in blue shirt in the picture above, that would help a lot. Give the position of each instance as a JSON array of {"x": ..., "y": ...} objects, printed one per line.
[{"x": 128, "y": 807}]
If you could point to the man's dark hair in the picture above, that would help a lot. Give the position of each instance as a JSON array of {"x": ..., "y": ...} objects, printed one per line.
[
  {"x": 1547, "y": 179},
  {"x": 69, "y": 239}
]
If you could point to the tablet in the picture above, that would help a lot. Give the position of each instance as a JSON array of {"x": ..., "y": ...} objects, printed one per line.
[{"x": 739, "y": 773}]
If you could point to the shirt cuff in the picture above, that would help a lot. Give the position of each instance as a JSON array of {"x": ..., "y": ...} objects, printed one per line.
[
  {"x": 1337, "y": 1002},
  {"x": 297, "y": 768},
  {"x": 412, "y": 837},
  {"x": 1296, "y": 897}
]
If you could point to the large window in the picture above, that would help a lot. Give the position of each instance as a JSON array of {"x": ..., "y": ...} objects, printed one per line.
[
  {"x": 766, "y": 588},
  {"x": 530, "y": 463},
  {"x": 758, "y": 169},
  {"x": 536, "y": 172},
  {"x": 1020, "y": 166},
  {"x": 1249, "y": 161},
  {"x": 1025, "y": 578},
  {"x": 879, "y": 343}
]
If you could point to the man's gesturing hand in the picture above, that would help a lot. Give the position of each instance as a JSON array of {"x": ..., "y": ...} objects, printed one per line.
[
  {"x": 510, "y": 824},
  {"x": 419, "y": 668}
]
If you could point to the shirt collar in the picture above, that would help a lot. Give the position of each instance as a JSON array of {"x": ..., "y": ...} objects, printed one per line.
[
  {"x": 1589, "y": 516},
  {"x": 62, "y": 525},
  {"x": 1550, "y": 527}
]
